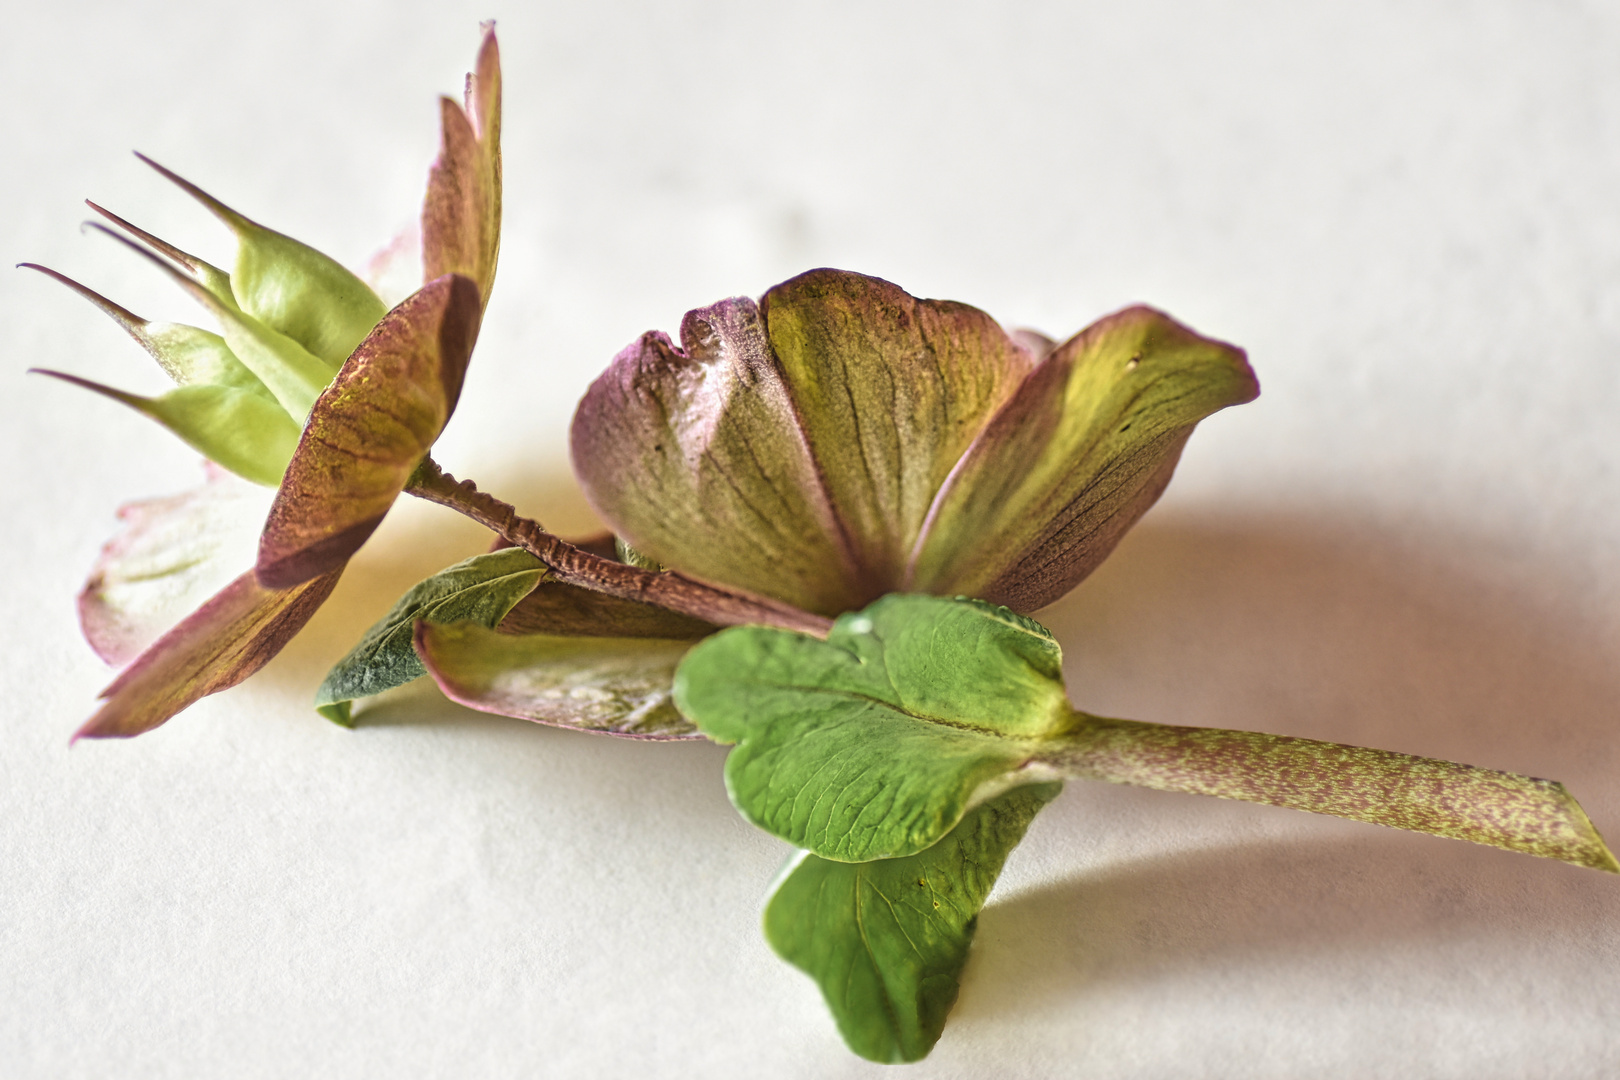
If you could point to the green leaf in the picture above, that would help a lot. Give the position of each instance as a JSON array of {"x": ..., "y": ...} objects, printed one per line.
[
  {"x": 481, "y": 589},
  {"x": 290, "y": 287},
  {"x": 887, "y": 940},
  {"x": 1082, "y": 450},
  {"x": 873, "y": 743},
  {"x": 239, "y": 430}
]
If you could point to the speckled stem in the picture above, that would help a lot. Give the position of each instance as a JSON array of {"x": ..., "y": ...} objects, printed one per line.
[
  {"x": 574, "y": 566},
  {"x": 1505, "y": 810}
]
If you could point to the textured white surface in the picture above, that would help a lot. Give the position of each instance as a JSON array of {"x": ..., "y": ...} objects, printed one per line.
[{"x": 1410, "y": 214}]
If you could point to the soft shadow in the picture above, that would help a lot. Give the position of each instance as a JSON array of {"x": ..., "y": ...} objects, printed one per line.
[
  {"x": 1312, "y": 626},
  {"x": 1299, "y": 902},
  {"x": 1309, "y": 626}
]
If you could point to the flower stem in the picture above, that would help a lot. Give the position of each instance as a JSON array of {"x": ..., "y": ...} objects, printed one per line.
[
  {"x": 1505, "y": 810},
  {"x": 575, "y": 566}
]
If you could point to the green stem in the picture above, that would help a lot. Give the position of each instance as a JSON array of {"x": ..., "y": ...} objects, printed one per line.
[{"x": 1443, "y": 798}]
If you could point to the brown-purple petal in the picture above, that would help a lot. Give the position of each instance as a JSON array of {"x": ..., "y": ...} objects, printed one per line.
[
  {"x": 695, "y": 457},
  {"x": 368, "y": 431},
  {"x": 461, "y": 215},
  {"x": 229, "y": 638}
]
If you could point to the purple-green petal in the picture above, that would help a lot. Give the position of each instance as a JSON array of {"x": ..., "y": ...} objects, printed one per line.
[
  {"x": 229, "y": 638},
  {"x": 1082, "y": 450},
  {"x": 368, "y": 431}
]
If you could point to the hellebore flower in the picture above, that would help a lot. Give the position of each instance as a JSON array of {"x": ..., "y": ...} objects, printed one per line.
[
  {"x": 842, "y": 440},
  {"x": 836, "y": 442},
  {"x": 313, "y": 387}
]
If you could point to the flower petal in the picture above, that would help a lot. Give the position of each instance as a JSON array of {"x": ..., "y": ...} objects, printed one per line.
[
  {"x": 1067, "y": 466},
  {"x": 221, "y": 643},
  {"x": 368, "y": 432},
  {"x": 170, "y": 555},
  {"x": 569, "y": 657},
  {"x": 461, "y": 216},
  {"x": 237, "y": 429},
  {"x": 612, "y": 685},
  {"x": 891, "y": 390},
  {"x": 695, "y": 457},
  {"x": 289, "y": 286}
]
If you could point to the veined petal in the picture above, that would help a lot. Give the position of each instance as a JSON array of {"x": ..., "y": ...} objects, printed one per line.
[
  {"x": 237, "y": 429},
  {"x": 223, "y": 642},
  {"x": 568, "y": 657},
  {"x": 696, "y": 458},
  {"x": 171, "y": 554},
  {"x": 612, "y": 685},
  {"x": 891, "y": 390},
  {"x": 369, "y": 431},
  {"x": 290, "y": 287},
  {"x": 461, "y": 216},
  {"x": 1068, "y": 465}
]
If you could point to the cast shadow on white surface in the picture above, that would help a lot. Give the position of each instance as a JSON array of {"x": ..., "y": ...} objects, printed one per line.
[
  {"x": 1302, "y": 624},
  {"x": 1310, "y": 626}
]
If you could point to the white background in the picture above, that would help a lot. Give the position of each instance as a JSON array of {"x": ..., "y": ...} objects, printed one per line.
[{"x": 1408, "y": 213}]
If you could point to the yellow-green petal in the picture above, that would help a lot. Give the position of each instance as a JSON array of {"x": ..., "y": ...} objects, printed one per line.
[
  {"x": 1074, "y": 459},
  {"x": 890, "y": 390}
]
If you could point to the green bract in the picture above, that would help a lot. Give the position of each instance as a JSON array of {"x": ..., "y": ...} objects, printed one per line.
[
  {"x": 481, "y": 590},
  {"x": 887, "y": 940},
  {"x": 907, "y": 751},
  {"x": 874, "y": 742},
  {"x": 498, "y": 636}
]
